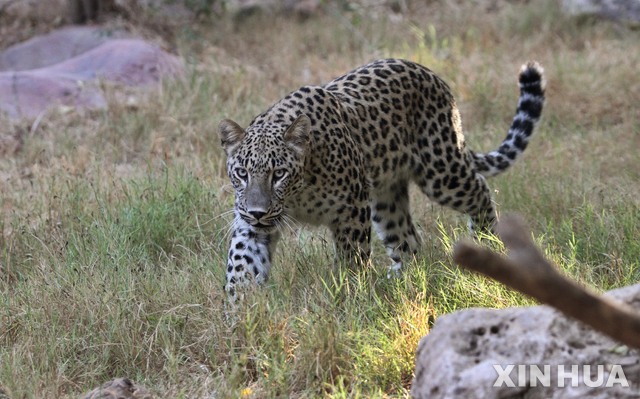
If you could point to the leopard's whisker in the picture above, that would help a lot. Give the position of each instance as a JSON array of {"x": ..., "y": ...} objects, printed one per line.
[
  {"x": 222, "y": 215},
  {"x": 287, "y": 222},
  {"x": 291, "y": 223}
]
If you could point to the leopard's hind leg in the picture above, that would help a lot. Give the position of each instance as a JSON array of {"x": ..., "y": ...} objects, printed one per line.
[
  {"x": 466, "y": 192},
  {"x": 392, "y": 221}
]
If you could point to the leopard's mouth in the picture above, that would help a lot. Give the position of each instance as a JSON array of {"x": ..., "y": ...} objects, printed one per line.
[
  {"x": 261, "y": 221},
  {"x": 262, "y": 225},
  {"x": 264, "y": 229}
]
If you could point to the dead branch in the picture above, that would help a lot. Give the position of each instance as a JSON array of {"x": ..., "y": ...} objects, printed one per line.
[{"x": 526, "y": 270}]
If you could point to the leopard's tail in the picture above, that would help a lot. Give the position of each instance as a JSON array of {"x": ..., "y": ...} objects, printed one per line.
[{"x": 532, "y": 85}]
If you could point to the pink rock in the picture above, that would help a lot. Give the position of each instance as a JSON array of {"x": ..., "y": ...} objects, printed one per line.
[
  {"x": 28, "y": 94},
  {"x": 54, "y": 47},
  {"x": 71, "y": 82},
  {"x": 131, "y": 62}
]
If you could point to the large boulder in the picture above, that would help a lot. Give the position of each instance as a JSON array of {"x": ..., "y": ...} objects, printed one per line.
[
  {"x": 28, "y": 94},
  {"x": 626, "y": 11},
  {"x": 64, "y": 68},
  {"x": 54, "y": 47},
  {"x": 524, "y": 353},
  {"x": 131, "y": 62}
]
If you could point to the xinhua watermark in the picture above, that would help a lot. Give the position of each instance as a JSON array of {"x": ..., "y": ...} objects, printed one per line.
[{"x": 531, "y": 375}]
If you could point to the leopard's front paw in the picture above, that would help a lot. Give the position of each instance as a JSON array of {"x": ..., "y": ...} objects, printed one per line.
[{"x": 395, "y": 270}]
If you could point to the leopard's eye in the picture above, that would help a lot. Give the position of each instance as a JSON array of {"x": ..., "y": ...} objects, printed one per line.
[
  {"x": 241, "y": 173},
  {"x": 279, "y": 174}
]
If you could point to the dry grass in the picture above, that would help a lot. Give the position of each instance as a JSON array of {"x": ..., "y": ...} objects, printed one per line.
[{"x": 111, "y": 250}]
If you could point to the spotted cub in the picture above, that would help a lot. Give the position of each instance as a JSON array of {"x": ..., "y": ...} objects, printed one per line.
[{"x": 343, "y": 154}]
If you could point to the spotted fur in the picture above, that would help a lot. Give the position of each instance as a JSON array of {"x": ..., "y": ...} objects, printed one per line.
[{"x": 343, "y": 154}]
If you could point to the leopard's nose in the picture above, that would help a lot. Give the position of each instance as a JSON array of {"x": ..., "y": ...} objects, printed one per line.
[{"x": 257, "y": 214}]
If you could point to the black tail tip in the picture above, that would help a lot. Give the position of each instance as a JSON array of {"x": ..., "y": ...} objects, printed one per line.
[{"x": 532, "y": 74}]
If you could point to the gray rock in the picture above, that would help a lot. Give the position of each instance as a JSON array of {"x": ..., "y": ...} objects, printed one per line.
[
  {"x": 54, "y": 47},
  {"x": 131, "y": 62},
  {"x": 239, "y": 9},
  {"x": 30, "y": 93},
  {"x": 468, "y": 352},
  {"x": 27, "y": 93},
  {"x": 119, "y": 388},
  {"x": 626, "y": 11}
]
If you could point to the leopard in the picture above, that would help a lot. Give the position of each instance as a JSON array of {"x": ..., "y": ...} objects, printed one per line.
[{"x": 343, "y": 155}]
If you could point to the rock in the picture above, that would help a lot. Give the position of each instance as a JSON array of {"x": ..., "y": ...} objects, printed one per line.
[
  {"x": 301, "y": 8},
  {"x": 54, "y": 47},
  {"x": 120, "y": 388},
  {"x": 469, "y": 351},
  {"x": 27, "y": 93},
  {"x": 37, "y": 12},
  {"x": 626, "y": 11},
  {"x": 240, "y": 9},
  {"x": 132, "y": 62}
]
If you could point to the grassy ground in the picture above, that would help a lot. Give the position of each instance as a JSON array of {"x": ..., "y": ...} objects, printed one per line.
[{"x": 112, "y": 244}]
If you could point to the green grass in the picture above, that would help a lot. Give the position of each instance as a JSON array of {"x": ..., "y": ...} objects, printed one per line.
[{"x": 114, "y": 230}]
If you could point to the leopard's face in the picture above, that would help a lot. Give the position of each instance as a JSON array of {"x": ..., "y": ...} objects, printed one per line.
[
  {"x": 263, "y": 179},
  {"x": 266, "y": 169}
]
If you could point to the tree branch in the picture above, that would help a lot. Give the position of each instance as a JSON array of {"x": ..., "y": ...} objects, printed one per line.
[{"x": 526, "y": 270}]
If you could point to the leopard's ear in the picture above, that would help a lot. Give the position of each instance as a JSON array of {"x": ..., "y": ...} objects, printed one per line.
[
  {"x": 231, "y": 134},
  {"x": 297, "y": 135}
]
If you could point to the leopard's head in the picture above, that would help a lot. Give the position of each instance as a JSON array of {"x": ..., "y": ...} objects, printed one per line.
[{"x": 265, "y": 163}]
